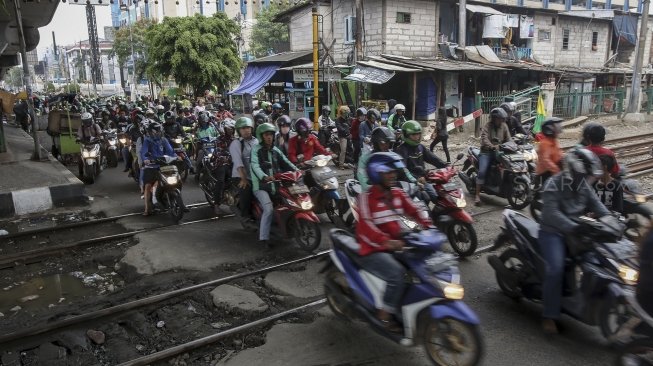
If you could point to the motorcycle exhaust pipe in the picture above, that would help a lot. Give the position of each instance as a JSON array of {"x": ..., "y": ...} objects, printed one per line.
[{"x": 509, "y": 277}]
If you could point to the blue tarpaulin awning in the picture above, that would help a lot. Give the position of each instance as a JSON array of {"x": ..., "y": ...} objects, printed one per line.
[
  {"x": 625, "y": 27},
  {"x": 256, "y": 75}
]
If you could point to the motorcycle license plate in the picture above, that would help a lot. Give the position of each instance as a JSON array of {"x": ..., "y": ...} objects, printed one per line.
[
  {"x": 297, "y": 189},
  {"x": 517, "y": 157},
  {"x": 452, "y": 186}
]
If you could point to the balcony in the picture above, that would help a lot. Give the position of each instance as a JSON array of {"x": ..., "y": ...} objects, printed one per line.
[{"x": 513, "y": 53}]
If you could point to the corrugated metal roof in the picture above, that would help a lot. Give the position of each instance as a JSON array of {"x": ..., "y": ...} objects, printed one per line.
[
  {"x": 282, "y": 57},
  {"x": 482, "y": 9},
  {"x": 441, "y": 64},
  {"x": 389, "y": 66},
  {"x": 310, "y": 66}
]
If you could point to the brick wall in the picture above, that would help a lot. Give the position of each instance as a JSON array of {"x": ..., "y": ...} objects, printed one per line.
[
  {"x": 301, "y": 28},
  {"x": 580, "y": 42},
  {"x": 544, "y": 50},
  {"x": 417, "y": 39}
]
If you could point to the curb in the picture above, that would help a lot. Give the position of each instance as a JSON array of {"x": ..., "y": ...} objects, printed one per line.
[{"x": 39, "y": 199}]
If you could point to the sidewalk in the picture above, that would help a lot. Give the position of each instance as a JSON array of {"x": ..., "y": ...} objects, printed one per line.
[{"x": 28, "y": 186}]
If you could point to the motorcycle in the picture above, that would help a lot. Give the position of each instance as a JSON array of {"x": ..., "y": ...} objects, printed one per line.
[
  {"x": 204, "y": 154},
  {"x": 92, "y": 161},
  {"x": 123, "y": 140},
  {"x": 178, "y": 147},
  {"x": 111, "y": 150},
  {"x": 508, "y": 177},
  {"x": 530, "y": 154},
  {"x": 293, "y": 215},
  {"x": 432, "y": 312},
  {"x": 168, "y": 190},
  {"x": 599, "y": 267},
  {"x": 448, "y": 212},
  {"x": 210, "y": 180},
  {"x": 323, "y": 185}
]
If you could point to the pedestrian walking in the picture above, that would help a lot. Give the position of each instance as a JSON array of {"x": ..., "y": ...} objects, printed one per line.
[{"x": 440, "y": 134}]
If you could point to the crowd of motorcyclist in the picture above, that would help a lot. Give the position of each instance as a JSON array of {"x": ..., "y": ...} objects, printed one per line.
[{"x": 249, "y": 151}]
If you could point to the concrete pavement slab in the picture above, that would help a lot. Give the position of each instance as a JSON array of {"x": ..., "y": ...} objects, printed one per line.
[
  {"x": 303, "y": 284},
  {"x": 210, "y": 245},
  {"x": 238, "y": 298}
]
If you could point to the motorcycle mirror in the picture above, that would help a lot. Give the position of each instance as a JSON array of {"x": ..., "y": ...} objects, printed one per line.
[{"x": 460, "y": 156}]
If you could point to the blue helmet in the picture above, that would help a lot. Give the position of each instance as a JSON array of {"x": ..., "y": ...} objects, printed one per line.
[{"x": 382, "y": 162}]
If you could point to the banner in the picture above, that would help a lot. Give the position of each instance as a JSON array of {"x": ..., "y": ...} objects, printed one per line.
[
  {"x": 541, "y": 115},
  {"x": 306, "y": 74},
  {"x": 526, "y": 27}
]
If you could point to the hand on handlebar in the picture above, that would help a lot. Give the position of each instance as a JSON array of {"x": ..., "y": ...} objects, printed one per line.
[
  {"x": 394, "y": 244},
  {"x": 268, "y": 179}
]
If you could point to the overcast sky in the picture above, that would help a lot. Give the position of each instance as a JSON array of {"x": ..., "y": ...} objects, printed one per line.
[{"x": 69, "y": 25}]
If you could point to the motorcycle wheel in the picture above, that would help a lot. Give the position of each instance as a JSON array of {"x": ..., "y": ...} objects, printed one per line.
[
  {"x": 307, "y": 234},
  {"x": 450, "y": 341},
  {"x": 520, "y": 195},
  {"x": 331, "y": 209},
  {"x": 462, "y": 238},
  {"x": 513, "y": 261},
  {"x": 637, "y": 353},
  {"x": 89, "y": 175},
  {"x": 176, "y": 205},
  {"x": 472, "y": 174},
  {"x": 536, "y": 207},
  {"x": 612, "y": 315},
  {"x": 335, "y": 295},
  {"x": 112, "y": 159},
  {"x": 136, "y": 172}
]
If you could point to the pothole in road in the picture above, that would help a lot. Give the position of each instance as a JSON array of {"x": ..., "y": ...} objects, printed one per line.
[{"x": 41, "y": 292}]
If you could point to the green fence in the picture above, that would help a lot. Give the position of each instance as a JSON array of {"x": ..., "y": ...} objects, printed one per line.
[
  {"x": 582, "y": 103},
  {"x": 526, "y": 101}
]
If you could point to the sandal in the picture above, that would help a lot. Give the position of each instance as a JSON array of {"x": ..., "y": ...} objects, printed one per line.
[{"x": 478, "y": 202}]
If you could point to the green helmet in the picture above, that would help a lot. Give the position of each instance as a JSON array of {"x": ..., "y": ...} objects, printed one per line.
[
  {"x": 263, "y": 128},
  {"x": 244, "y": 122},
  {"x": 265, "y": 105},
  {"x": 409, "y": 128}
]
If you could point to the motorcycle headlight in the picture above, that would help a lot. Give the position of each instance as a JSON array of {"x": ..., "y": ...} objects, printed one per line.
[
  {"x": 460, "y": 202},
  {"x": 178, "y": 140},
  {"x": 628, "y": 275},
  {"x": 172, "y": 180},
  {"x": 452, "y": 291},
  {"x": 123, "y": 141},
  {"x": 209, "y": 155},
  {"x": 307, "y": 205},
  {"x": 112, "y": 142},
  {"x": 640, "y": 198},
  {"x": 86, "y": 154},
  {"x": 92, "y": 154},
  {"x": 321, "y": 162}
]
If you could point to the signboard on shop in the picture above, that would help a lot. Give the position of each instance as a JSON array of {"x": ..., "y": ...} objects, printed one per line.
[{"x": 306, "y": 74}]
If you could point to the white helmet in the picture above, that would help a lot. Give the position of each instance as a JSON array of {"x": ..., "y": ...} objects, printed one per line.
[
  {"x": 160, "y": 107},
  {"x": 230, "y": 123},
  {"x": 400, "y": 107}
]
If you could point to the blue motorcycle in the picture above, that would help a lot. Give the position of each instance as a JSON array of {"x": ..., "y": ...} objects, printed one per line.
[{"x": 431, "y": 313}]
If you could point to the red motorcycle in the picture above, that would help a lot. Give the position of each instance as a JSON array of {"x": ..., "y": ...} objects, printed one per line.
[
  {"x": 293, "y": 211},
  {"x": 449, "y": 213}
]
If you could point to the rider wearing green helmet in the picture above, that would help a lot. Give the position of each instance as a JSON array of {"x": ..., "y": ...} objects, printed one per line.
[
  {"x": 241, "y": 155},
  {"x": 262, "y": 174},
  {"x": 415, "y": 155}
]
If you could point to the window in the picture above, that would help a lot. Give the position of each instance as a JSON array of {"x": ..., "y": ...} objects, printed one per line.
[
  {"x": 553, "y": 21},
  {"x": 350, "y": 29},
  {"x": 595, "y": 41},
  {"x": 403, "y": 17},
  {"x": 544, "y": 35},
  {"x": 565, "y": 39}
]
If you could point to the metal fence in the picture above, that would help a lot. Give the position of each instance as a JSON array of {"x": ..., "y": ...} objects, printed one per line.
[
  {"x": 526, "y": 101},
  {"x": 578, "y": 103}
]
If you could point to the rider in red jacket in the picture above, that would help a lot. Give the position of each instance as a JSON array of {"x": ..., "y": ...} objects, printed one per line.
[
  {"x": 379, "y": 230},
  {"x": 304, "y": 143}
]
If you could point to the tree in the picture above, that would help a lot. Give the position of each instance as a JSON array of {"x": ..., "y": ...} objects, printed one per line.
[
  {"x": 198, "y": 52},
  {"x": 49, "y": 87},
  {"x": 268, "y": 35},
  {"x": 122, "y": 47},
  {"x": 14, "y": 77}
]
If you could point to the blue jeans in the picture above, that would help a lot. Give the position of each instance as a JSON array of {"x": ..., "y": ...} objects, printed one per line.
[
  {"x": 484, "y": 162},
  {"x": 430, "y": 190},
  {"x": 387, "y": 268},
  {"x": 552, "y": 247},
  {"x": 266, "y": 218}
]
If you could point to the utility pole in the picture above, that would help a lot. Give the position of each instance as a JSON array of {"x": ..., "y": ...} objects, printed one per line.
[
  {"x": 93, "y": 42},
  {"x": 316, "y": 69},
  {"x": 358, "y": 50},
  {"x": 462, "y": 23},
  {"x": 36, "y": 155},
  {"x": 636, "y": 84}
]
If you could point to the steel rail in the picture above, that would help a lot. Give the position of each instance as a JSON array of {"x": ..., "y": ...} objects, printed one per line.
[
  {"x": 8, "y": 261},
  {"x": 200, "y": 342},
  {"x": 117, "y": 309},
  {"x": 82, "y": 223},
  {"x": 618, "y": 140}
]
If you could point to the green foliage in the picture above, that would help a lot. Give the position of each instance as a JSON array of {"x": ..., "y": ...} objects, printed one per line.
[
  {"x": 267, "y": 34},
  {"x": 198, "y": 52},
  {"x": 49, "y": 87},
  {"x": 71, "y": 88},
  {"x": 122, "y": 45},
  {"x": 14, "y": 77}
]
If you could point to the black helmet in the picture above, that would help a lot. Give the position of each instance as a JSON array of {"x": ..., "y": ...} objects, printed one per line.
[
  {"x": 509, "y": 107},
  {"x": 169, "y": 116},
  {"x": 361, "y": 112},
  {"x": 260, "y": 118},
  {"x": 551, "y": 126},
  {"x": 283, "y": 121},
  {"x": 374, "y": 113},
  {"x": 594, "y": 134},
  {"x": 203, "y": 117},
  {"x": 276, "y": 106},
  {"x": 382, "y": 134},
  {"x": 498, "y": 113}
]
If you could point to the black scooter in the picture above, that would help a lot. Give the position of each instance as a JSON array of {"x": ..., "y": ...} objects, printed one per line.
[{"x": 600, "y": 266}]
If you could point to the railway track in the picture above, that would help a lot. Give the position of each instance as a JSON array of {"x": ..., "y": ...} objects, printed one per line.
[{"x": 619, "y": 140}]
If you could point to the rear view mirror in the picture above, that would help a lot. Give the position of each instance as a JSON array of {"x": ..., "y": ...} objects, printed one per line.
[{"x": 460, "y": 156}]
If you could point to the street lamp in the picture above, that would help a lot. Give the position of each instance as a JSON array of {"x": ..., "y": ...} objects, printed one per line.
[{"x": 132, "y": 86}]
